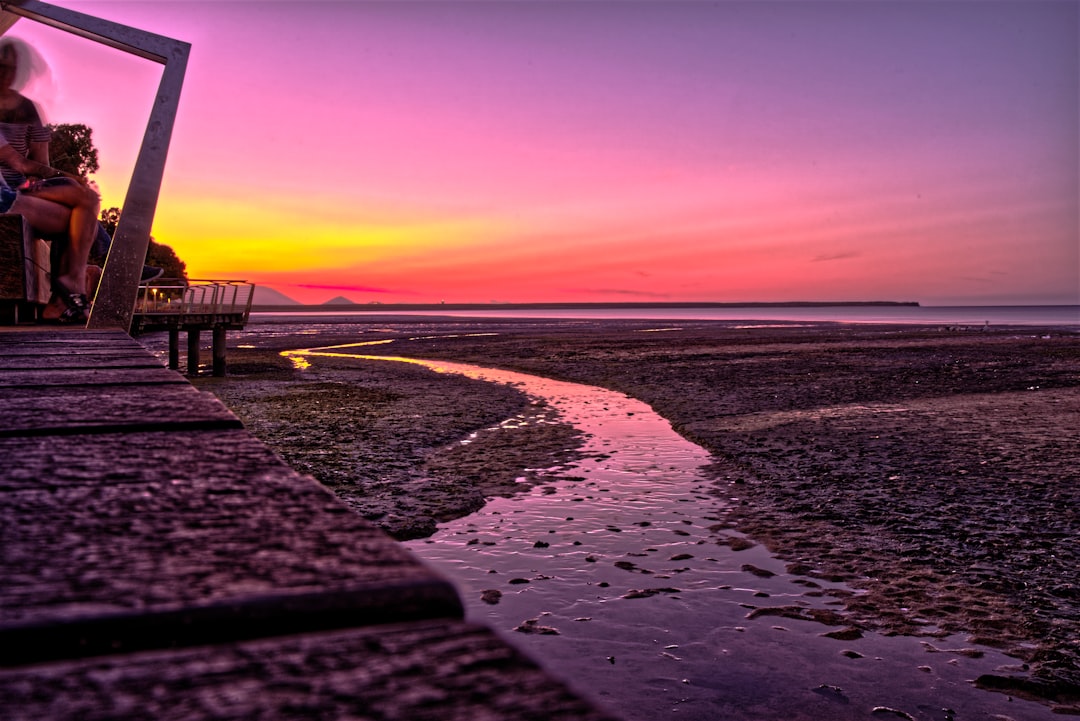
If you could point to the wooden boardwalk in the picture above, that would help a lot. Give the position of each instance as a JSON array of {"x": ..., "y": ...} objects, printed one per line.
[{"x": 158, "y": 562}]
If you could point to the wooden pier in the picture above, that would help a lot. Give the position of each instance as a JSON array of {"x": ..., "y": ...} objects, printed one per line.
[
  {"x": 158, "y": 562},
  {"x": 193, "y": 306}
]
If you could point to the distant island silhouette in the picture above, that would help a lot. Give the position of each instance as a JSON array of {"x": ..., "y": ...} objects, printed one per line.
[{"x": 340, "y": 300}]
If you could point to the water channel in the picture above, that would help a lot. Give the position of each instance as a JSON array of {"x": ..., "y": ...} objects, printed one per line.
[{"x": 619, "y": 577}]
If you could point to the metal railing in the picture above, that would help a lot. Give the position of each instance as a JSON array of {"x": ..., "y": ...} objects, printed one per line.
[
  {"x": 194, "y": 302},
  {"x": 196, "y": 297}
]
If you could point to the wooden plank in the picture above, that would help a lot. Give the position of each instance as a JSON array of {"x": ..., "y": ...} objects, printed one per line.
[
  {"x": 77, "y": 361},
  {"x": 11, "y": 344},
  {"x": 27, "y": 351},
  {"x": 63, "y": 336},
  {"x": 117, "y": 567},
  {"x": 66, "y": 410},
  {"x": 421, "y": 672},
  {"x": 129, "y": 375},
  {"x": 43, "y": 463}
]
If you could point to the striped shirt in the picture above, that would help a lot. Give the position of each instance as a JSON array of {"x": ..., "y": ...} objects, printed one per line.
[{"x": 21, "y": 126}]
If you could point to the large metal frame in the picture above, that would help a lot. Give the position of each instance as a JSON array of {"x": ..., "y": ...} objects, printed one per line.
[{"x": 115, "y": 301}]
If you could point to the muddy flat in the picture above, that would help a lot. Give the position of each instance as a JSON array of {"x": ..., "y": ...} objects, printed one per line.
[{"x": 929, "y": 471}]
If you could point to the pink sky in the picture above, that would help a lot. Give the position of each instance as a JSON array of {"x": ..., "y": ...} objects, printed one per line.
[{"x": 603, "y": 151}]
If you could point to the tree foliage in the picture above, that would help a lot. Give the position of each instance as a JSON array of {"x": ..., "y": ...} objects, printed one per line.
[
  {"x": 159, "y": 255},
  {"x": 164, "y": 257},
  {"x": 110, "y": 218},
  {"x": 72, "y": 149}
]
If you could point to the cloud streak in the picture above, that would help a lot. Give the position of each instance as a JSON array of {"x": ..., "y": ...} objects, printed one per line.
[
  {"x": 624, "y": 292},
  {"x": 826, "y": 257},
  {"x": 354, "y": 288}
]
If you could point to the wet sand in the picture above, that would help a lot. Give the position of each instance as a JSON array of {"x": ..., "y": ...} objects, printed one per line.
[{"x": 931, "y": 470}]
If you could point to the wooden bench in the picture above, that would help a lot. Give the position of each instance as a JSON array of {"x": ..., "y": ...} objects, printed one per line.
[{"x": 24, "y": 271}]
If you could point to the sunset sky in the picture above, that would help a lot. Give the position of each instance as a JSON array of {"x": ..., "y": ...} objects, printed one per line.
[{"x": 602, "y": 150}]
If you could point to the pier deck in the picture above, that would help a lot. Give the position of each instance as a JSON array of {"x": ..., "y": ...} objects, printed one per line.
[{"x": 157, "y": 561}]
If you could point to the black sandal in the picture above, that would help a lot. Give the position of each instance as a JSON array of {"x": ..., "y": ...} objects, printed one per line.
[{"x": 78, "y": 308}]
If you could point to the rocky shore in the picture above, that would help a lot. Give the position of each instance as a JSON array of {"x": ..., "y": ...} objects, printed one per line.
[{"x": 934, "y": 469}]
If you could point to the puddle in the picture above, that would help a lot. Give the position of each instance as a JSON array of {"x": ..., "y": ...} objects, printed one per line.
[{"x": 622, "y": 582}]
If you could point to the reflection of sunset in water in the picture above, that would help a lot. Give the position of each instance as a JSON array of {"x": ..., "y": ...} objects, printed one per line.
[{"x": 299, "y": 357}]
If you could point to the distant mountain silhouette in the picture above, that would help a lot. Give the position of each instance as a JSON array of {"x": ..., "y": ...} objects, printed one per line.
[
  {"x": 265, "y": 295},
  {"x": 340, "y": 300}
]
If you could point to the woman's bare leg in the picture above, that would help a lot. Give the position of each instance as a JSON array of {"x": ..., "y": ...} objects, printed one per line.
[
  {"x": 83, "y": 205},
  {"x": 52, "y": 219}
]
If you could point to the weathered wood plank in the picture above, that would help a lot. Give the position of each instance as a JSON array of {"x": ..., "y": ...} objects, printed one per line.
[
  {"x": 62, "y": 336},
  {"x": 47, "y": 348},
  {"x": 76, "y": 359},
  {"x": 422, "y": 672},
  {"x": 179, "y": 561},
  {"x": 44, "y": 462},
  {"x": 90, "y": 350},
  {"x": 147, "y": 373},
  {"x": 67, "y": 410}
]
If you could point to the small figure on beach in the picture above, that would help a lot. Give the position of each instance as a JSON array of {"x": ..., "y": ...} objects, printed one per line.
[{"x": 61, "y": 207}]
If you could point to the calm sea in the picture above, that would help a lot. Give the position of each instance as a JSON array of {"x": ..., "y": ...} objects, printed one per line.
[{"x": 1031, "y": 315}]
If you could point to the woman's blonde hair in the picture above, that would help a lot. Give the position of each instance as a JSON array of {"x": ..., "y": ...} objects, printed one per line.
[{"x": 28, "y": 61}]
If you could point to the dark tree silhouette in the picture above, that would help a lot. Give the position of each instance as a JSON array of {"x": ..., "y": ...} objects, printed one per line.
[
  {"x": 72, "y": 149},
  {"x": 110, "y": 218},
  {"x": 164, "y": 257}
]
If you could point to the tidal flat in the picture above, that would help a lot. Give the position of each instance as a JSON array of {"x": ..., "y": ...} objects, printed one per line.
[{"x": 929, "y": 470}]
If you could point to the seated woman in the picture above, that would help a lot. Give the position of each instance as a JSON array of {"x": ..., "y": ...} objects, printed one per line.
[
  {"x": 60, "y": 207},
  {"x": 73, "y": 226}
]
